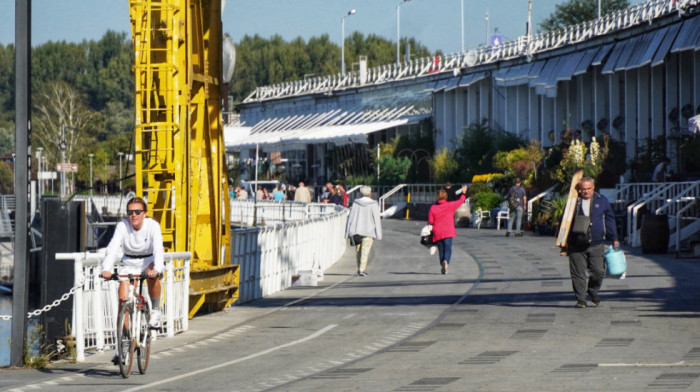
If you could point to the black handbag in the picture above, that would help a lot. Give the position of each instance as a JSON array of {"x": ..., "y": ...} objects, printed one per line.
[
  {"x": 581, "y": 230},
  {"x": 355, "y": 239},
  {"x": 427, "y": 240}
]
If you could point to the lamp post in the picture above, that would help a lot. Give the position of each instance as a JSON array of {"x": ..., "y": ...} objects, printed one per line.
[
  {"x": 63, "y": 159},
  {"x": 462, "y": 15},
  {"x": 91, "y": 155},
  {"x": 120, "y": 172},
  {"x": 398, "y": 31},
  {"x": 342, "y": 40},
  {"x": 39, "y": 173}
]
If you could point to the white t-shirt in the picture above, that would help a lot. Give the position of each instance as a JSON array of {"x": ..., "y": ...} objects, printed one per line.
[{"x": 134, "y": 243}]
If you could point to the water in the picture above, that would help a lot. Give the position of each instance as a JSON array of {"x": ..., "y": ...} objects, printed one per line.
[{"x": 5, "y": 329}]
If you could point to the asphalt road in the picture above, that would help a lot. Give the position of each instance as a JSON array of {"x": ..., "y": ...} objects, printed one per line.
[{"x": 501, "y": 319}]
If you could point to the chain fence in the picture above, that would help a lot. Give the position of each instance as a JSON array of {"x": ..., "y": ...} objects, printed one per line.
[{"x": 38, "y": 312}]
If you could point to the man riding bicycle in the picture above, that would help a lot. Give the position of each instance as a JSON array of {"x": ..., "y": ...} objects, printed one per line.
[{"x": 141, "y": 241}]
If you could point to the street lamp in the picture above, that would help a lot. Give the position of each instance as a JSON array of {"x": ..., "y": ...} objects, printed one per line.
[
  {"x": 342, "y": 40},
  {"x": 462, "y": 14},
  {"x": 120, "y": 172},
  {"x": 39, "y": 173},
  {"x": 398, "y": 30},
  {"x": 91, "y": 155},
  {"x": 63, "y": 159}
]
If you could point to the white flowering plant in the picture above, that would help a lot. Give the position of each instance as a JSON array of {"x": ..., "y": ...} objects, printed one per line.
[{"x": 579, "y": 156}]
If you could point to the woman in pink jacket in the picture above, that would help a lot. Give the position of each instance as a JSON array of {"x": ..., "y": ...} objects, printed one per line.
[{"x": 442, "y": 217}]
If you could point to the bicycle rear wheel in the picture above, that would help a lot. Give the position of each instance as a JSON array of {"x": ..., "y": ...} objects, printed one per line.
[
  {"x": 125, "y": 344},
  {"x": 144, "y": 349}
]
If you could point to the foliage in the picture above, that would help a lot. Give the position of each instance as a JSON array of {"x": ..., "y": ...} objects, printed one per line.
[
  {"x": 575, "y": 157},
  {"x": 614, "y": 165},
  {"x": 478, "y": 187},
  {"x": 484, "y": 177},
  {"x": 7, "y": 179},
  {"x": 392, "y": 170},
  {"x": 486, "y": 200},
  {"x": 419, "y": 148},
  {"x": 502, "y": 183},
  {"x": 479, "y": 145},
  {"x": 522, "y": 162},
  {"x": 37, "y": 356},
  {"x": 7, "y": 138},
  {"x": 444, "y": 166},
  {"x": 558, "y": 206},
  {"x": 574, "y": 12},
  {"x": 360, "y": 179}
]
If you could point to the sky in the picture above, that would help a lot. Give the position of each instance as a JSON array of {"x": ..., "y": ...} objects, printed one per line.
[{"x": 434, "y": 23}]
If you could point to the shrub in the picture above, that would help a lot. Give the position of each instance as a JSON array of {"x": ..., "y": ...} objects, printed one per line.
[
  {"x": 478, "y": 187},
  {"x": 486, "y": 200}
]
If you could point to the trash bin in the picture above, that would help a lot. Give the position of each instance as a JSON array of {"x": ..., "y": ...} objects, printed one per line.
[{"x": 655, "y": 233}]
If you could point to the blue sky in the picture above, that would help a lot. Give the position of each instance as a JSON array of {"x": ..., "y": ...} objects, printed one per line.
[{"x": 434, "y": 23}]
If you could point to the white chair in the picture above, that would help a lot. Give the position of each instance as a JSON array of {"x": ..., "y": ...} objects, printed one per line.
[
  {"x": 502, "y": 214},
  {"x": 481, "y": 215}
]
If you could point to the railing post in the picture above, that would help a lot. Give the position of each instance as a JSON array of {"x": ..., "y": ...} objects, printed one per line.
[
  {"x": 78, "y": 331},
  {"x": 169, "y": 297},
  {"x": 185, "y": 294},
  {"x": 97, "y": 310}
]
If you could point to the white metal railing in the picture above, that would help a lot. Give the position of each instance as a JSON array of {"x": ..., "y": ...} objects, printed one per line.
[
  {"x": 523, "y": 46},
  {"x": 382, "y": 199},
  {"x": 267, "y": 212},
  {"x": 532, "y": 201},
  {"x": 657, "y": 197},
  {"x": 269, "y": 255},
  {"x": 95, "y": 307},
  {"x": 686, "y": 230}
]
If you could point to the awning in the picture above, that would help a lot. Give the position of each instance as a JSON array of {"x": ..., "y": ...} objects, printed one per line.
[
  {"x": 452, "y": 83},
  {"x": 688, "y": 36},
  {"x": 600, "y": 56},
  {"x": 441, "y": 84},
  {"x": 615, "y": 54},
  {"x": 469, "y": 79},
  {"x": 662, "y": 51},
  {"x": 514, "y": 76},
  {"x": 567, "y": 66},
  {"x": 627, "y": 53},
  {"x": 585, "y": 62},
  {"x": 650, "y": 43}
]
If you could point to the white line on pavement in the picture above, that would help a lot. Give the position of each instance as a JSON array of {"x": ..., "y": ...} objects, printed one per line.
[{"x": 251, "y": 356}]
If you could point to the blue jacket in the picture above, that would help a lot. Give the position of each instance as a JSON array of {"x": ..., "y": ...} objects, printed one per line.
[{"x": 602, "y": 219}]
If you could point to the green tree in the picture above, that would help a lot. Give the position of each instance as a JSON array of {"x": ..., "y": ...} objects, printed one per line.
[
  {"x": 479, "y": 145},
  {"x": 573, "y": 12},
  {"x": 444, "y": 166},
  {"x": 7, "y": 179}
]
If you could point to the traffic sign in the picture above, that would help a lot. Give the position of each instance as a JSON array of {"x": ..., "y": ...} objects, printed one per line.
[{"x": 67, "y": 167}]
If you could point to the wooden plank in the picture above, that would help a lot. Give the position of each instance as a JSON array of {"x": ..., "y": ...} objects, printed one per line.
[{"x": 569, "y": 211}]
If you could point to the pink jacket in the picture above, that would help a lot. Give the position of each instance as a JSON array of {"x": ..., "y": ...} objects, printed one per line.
[{"x": 442, "y": 217}]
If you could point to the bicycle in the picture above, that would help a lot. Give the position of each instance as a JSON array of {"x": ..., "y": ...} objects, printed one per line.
[{"x": 133, "y": 331}]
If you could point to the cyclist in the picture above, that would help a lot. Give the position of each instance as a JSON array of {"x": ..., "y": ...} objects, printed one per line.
[{"x": 141, "y": 242}]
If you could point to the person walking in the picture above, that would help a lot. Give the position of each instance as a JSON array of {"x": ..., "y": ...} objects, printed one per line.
[
  {"x": 517, "y": 200},
  {"x": 586, "y": 253},
  {"x": 302, "y": 193},
  {"x": 364, "y": 226},
  {"x": 278, "y": 195},
  {"x": 140, "y": 240},
  {"x": 661, "y": 171},
  {"x": 442, "y": 217}
]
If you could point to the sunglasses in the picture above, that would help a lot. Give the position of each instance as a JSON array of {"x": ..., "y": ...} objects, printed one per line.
[{"x": 131, "y": 212}]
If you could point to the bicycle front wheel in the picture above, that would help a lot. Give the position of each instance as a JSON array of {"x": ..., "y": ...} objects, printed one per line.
[
  {"x": 144, "y": 349},
  {"x": 125, "y": 344}
]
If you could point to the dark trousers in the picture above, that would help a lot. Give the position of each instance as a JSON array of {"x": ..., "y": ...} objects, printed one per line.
[{"x": 588, "y": 260}]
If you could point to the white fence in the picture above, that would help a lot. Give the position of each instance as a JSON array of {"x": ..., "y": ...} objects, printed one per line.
[
  {"x": 95, "y": 307},
  {"x": 270, "y": 255}
]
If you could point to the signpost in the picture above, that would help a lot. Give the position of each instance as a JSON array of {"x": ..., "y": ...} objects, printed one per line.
[{"x": 66, "y": 167}]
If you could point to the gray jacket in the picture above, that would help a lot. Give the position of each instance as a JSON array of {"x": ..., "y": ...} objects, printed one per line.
[{"x": 364, "y": 219}]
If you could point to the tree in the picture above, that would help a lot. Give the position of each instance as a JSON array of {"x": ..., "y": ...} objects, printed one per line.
[
  {"x": 479, "y": 145},
  {"x": 574, "y": 12},
  {"x": 7, "y": 179},
  {"x": 59, "y": 105},
  {"x": 444, "y": 166}
]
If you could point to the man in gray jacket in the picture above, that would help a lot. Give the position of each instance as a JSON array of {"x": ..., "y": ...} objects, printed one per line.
[{"x": 364, "y": 225}]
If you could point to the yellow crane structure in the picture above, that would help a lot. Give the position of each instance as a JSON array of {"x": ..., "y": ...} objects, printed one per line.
[{"x": 179, "y": 148}]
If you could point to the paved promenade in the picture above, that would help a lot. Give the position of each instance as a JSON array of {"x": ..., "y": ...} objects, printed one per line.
[{"x": 503, "y": 319}]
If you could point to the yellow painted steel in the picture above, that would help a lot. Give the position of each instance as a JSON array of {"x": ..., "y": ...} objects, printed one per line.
[{"x": 179, "y": 148}]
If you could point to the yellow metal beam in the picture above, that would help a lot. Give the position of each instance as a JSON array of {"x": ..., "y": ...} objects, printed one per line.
[{"x": 179, "y": 149}]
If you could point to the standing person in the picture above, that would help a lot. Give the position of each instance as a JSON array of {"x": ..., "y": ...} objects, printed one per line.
[
  {"x": 291, "y": 189},
  {"x": 343, "y": 194},
  {"x": 231, "y": 192},
  {"x": 517, "y": 200},
  {"x": 139, "y": 239},
  {"x": 327, "y": 192},
  {"x": 335, "y": 197},
  {"x": 241, "y": 193},
  {"x": 442, "y": 217},
  {"x": 278, "y": 195},
  {"x": 130, "y": 194},
  {"x": 661, "y": 170},
  {"x": 302, "y": 193},
  {"x": 451, "y": 192},
  {"x": 259, "y": 195},
  {"x": 364, "y": 225},
  {"x": 588, "y": 257}
]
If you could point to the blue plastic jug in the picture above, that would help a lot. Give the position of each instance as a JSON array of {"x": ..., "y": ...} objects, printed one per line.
[{"x": 615, "y": 260}]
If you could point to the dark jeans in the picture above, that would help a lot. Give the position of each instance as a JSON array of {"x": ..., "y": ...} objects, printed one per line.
[
  {"x": 590, "y": 260},
  {"x": 445, "y": 249}
]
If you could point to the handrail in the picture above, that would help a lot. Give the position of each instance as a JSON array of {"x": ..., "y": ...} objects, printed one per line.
[
  {"x": 532, "y": 201},
  {"x": 679, "y": 215},
  {"x": 523, "y": 46},
  {"x": 382, "y": 200},
  {"x": 633, "y": 209}
]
